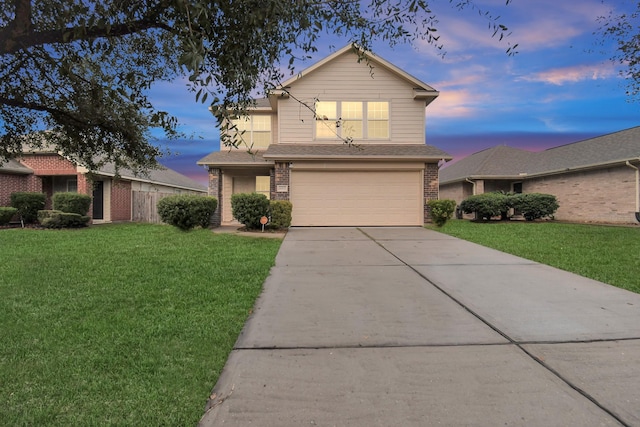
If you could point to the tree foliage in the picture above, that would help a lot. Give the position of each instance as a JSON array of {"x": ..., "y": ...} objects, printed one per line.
[
  {"x": 623, "y": 28},
  {"x": 82, "y": 69}
]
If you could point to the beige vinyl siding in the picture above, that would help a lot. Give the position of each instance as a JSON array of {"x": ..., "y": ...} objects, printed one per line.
[{"x": 344, "y": 79}]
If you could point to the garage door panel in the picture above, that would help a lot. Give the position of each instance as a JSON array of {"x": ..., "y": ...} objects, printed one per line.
[{"x": 358, "y": 198}]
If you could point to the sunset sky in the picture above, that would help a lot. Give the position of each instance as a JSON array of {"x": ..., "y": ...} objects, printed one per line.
[{"x": 559, "y": 88}]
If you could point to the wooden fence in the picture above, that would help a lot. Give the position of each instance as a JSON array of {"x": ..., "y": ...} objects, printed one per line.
[{"x": 144, "y": 206}]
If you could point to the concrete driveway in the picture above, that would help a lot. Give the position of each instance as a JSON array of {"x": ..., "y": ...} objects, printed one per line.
[{"x": 410, "y": 327}]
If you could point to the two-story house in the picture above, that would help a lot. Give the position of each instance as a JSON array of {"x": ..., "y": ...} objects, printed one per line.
[{"x": 384, "y": 178}]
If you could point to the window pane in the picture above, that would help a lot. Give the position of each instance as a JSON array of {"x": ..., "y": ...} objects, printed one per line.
[
  {"x": 261, "y": 139},
  {"x": 378, "y": 110},
  {"x": 378, "y": 129},
  {"x": 263, "y": 185},
  {"x": 326, "y": 110},
  {"x": 326, "y": 129},
  {"x": 351, "y": 128},
  {"x": 261, "y": 123},
  {"x": 242, "y": 123},
  {"x": 351, "y": 111}
]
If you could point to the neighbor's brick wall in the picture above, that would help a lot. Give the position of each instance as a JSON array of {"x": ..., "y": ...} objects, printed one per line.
[
  {"x": 431, "y": 189},
  {"x": 50, "y": 164},
  {"x": 121, "y": 201},
  {"x": 215, "y": 190},
  {"x": 281, "y": 176},
  {"x": 10, "y": 183},
  {"x": 605, "y": 195}
]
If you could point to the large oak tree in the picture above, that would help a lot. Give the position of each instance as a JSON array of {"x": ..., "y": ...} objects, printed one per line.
[{"x": 82, "y": 69}]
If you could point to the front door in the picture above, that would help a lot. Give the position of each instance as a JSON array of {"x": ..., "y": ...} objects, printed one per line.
[{"x": 98, "y": 200}]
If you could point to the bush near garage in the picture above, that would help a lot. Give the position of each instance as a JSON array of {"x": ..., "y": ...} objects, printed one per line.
[
  {"x": 72, "y": 203},
  {"x": 280, "y": 212},
  {"x": 6, "y": 213},
  {"x": 28, "y": 205},
  {"x": 187, "y": 211},
  {"x": 535, "y": 205},
  {"x": 248, "y": 208},
  {"x": 441, "y": 210}
]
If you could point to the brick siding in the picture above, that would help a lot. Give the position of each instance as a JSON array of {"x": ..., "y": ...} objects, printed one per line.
[
  {"x": 603, "y": 195},
  {"x": 10, "y": 183},
  {"x": 430, "y": 187},
  {"x": 50, "y": 164},
  {"x": 281, "y": 176},
  {"x": 121, "y": 201}
]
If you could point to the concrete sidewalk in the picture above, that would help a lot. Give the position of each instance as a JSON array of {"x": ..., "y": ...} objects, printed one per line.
[{"x": 410, "y": 327}]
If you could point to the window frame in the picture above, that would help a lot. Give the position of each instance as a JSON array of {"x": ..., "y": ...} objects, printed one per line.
[
  {"x": 340, "y": 131},
  {"x": 249, "y": 128}
]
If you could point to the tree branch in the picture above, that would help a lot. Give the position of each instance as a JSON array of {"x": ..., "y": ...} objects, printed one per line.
[{"x": 13, "y": 41}]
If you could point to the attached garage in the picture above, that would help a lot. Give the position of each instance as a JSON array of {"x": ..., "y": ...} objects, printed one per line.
[{"x": 358, "y": 197}]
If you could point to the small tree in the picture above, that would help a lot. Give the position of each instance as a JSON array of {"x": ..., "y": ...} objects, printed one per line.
[
  {"x": 28, "y": 205},
  {"x": 248, "y": 208},
  {"x": 6, "y": 213},
  {"x": 441, "y": 210}
]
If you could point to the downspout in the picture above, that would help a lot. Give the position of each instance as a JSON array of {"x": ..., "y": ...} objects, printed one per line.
[
  {"x": 637, "y": 189},
  {"x": 474, "y": 184}
]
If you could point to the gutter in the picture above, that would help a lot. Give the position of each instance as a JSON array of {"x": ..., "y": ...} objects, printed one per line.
[{"x": 628, "y": 163}]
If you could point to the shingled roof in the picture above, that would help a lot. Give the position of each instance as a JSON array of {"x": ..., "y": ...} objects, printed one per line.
[
  {"x": 413, "y": 152},
  {"x": 503, "y": 162},
  {"x": 15, "y": 167},
  {"x": 235, "y": 158}
]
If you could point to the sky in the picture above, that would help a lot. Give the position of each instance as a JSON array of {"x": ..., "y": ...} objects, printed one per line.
[{"x": 559, "y": 88}]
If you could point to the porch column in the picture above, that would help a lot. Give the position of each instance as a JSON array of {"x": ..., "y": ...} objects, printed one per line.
[
  {"x": 281, "y": 181},
  {"x": 215, "y": 190},
  {"x": 430, "y": 187}
]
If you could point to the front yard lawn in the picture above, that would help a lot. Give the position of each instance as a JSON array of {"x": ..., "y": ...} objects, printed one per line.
[
  {"x": 125, "y": 324},
  {"x": 605, "y": 253}
]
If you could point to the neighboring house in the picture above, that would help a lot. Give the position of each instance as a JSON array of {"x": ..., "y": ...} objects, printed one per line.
[
  {"x": 385, "y": 178},
  {"x": 595, "y": 180},
  {"x": 125, "y": 198}
]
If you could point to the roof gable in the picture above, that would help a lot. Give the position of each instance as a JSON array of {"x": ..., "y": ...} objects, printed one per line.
[{"x": 372, "y": 59}]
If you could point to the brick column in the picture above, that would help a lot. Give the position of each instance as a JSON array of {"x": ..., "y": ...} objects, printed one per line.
[
  {"x": 215, "y": 190},
  {"x": 281, "y": 181},
  {"x": 430, "y": 187}
]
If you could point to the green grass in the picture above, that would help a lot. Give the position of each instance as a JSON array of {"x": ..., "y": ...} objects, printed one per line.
[
  {"x": 605, "y": 253},
  {"x": 125, "y": 324}
]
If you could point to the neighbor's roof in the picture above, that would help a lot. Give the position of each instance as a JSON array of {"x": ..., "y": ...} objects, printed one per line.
[
  {"x": 507, "y": 162},
  {"x": 161, "y": 176},
  {"x": 15, "y": 167},
  {"x": 411, "y": 152},
  {"x": 235, "y": 158}
]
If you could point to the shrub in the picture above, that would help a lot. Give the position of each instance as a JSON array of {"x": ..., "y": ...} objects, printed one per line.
[
  {"x": 248, "y": 208},
  {"x": 535, "y": 205},
  {"x": 280, "y": 213},
  {"x": 487, "y": 205},
  {"x": 6, "y": 213},
  {"x": 187, "y": 211},
  {"x": 28, "y": 205},
  {"x": 59, "y": 219},
  {"x": 441, "y": 210},
  {"x": 72, "y": 203}
]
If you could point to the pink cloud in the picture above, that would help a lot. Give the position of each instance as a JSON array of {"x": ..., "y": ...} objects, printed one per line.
[{"x": 574, "y": 74}]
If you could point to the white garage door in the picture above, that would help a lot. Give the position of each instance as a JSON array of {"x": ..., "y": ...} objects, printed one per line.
[{"x": 356, "y": 198}]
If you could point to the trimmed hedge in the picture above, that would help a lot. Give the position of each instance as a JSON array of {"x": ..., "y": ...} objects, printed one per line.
[
  {"x": 59, "y": 219},
  {"x": 187, "y": 211},
  {"x": 441, "y": 210},
  {"x": 72, "y": 203},
  {"x": 531, "y": 205},
  {"x": 535, "y": 205},
  {"x": 248, "y": 208},
  {"x": 280, "y": 214},
  {"x": 28, "y": 205},
  {"x": 6, "y": 213},
  {"x": 486, "y": 205}
]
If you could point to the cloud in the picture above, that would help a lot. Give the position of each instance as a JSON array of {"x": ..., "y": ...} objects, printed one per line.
[
  {"x": 573, "y": 74},
  {"x": 454, "y": 104}
]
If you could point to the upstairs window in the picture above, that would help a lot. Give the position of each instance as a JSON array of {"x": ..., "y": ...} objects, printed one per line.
[
  {"x": 253, "y": 131},
  {"x": 352, "y": 119}
]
